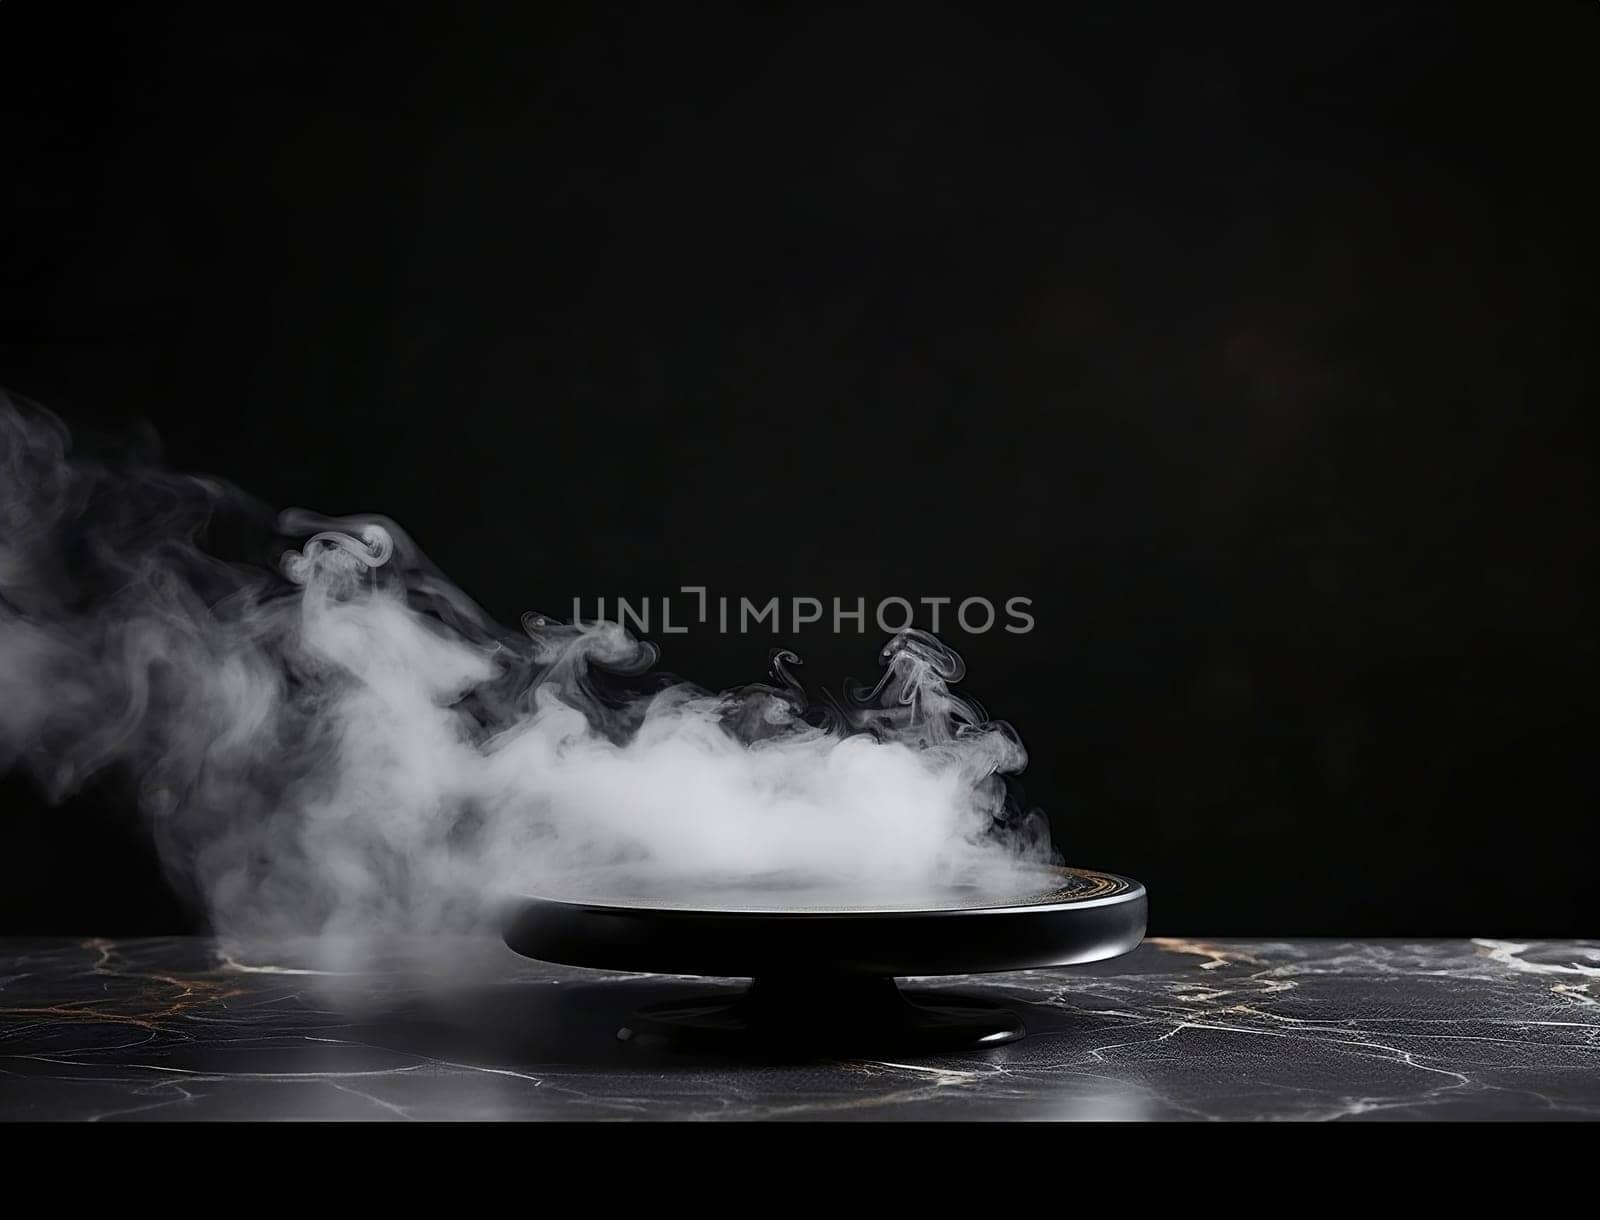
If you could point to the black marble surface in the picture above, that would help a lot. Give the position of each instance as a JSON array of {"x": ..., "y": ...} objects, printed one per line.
[{"x": 1180, "y": 1029}]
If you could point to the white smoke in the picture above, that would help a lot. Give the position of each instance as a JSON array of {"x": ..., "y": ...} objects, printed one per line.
[{"x": 349, "y": 743}]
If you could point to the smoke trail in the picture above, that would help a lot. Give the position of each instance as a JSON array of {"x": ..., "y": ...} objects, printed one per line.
[{"x": 348, "y": 742}]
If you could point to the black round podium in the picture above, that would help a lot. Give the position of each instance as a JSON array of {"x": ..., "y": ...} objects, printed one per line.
[{"x": 823, "y": 973}]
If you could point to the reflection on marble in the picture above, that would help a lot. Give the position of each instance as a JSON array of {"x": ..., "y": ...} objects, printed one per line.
[{"x": 1309, "y": 1029}]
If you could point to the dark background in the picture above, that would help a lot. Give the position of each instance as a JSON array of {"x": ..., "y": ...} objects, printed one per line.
[{"x": 1254, "y": 346}]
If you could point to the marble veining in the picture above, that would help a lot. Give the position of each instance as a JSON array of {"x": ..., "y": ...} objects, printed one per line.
[{"x": 184, "y": 1028}]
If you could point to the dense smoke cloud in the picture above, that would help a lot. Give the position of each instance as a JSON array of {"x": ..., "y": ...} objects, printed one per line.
[{"x": 349, "y": 742}]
